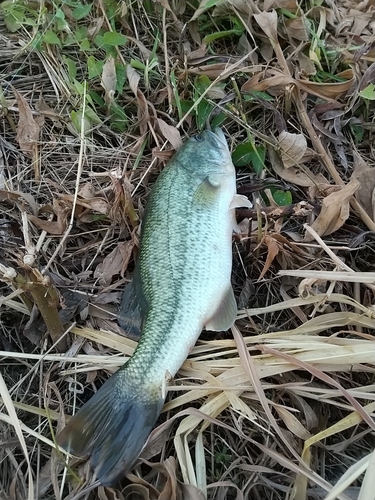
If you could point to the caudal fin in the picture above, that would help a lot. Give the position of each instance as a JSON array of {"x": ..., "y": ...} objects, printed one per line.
[{"x": 112, "y": 427}]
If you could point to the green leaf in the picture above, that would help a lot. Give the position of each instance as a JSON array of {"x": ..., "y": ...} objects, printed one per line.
[
  {"x": 368, "y": 93},
  {"x": 121, "y": 77},
  {"x": 254, "y": 94},
  {"x": 94, "y": 67},
  {"x": 85, "y": 45},
  {"x": 61, "y": 23},
  {"x": 92, "y": 116},
  {"x": 202, "y": 83},
  {"x": 72, "y": 68},
  {"x": 14, "y": 15},
  {"x": 222, "y": 34},
  {"x": 282, "y": 198},
  {"x": 96, "y": 98},
  {"x": 358, "y": 133},
  {"x": 203, "y": 111},
  {"x": 210, "y": 3},
  {"x": 119, "y": 120},
  {"x": 204, "y": 108},
  {"x": 176, "y": 95},
  {"x": 76, "y": 117},
  {"x": 219, "y": 119},
  {"x": 80, "y": 34},
  {"x": 247, "y": 153},
  {"x": 114, "y": 39},
  {"x": 51, "y": 38},
  {"x": 243, "y": 154},
  {"x": 81, "y": 11}
]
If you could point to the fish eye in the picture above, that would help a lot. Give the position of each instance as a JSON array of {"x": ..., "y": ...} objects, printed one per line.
[{"x": 198, "y": 138}]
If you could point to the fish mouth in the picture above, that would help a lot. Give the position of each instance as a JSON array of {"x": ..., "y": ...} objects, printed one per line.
[{"x": 217, "y": 138}]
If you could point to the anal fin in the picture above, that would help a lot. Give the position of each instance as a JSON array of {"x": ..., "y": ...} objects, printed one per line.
[{"x": 226, "y": 314}]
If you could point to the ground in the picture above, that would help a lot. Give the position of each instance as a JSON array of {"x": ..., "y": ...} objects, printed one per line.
[{"x": 94, "y": 99}]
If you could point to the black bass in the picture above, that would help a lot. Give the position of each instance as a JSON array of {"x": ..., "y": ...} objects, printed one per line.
[{"x": 181, "y": 285}]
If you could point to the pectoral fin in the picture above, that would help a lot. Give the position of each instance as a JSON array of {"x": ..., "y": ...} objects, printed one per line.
[
  {"x": 207, "y": 191},
  {"x": 240, "y": 201},
  {"x": 226, "y": 314},
  {"x": 133, "y": 307}
]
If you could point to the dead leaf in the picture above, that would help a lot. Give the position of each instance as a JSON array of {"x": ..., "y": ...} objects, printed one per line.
[
  {"x": 260, "y": 84},
  {"x": 43, "y": 109},
  {"x": 306, "y": 65},
  {"x": 136, "y": 491},
  {"x": 202, "y": 7},
  {"x": 244, "y": 7},
  {"x": 86, "y": 191},
  {"x": 191, "y": 492},
  {"x": 301, "y": 176},
  {"x": 292, "y": 147},
  {"x": 335, "y": 210},
  {"x": 280, "y": 4},
  {"x": 273, "y": 250},
  {"x": 109, "y": 80},
  {"x": 365, "y": 175},
  {"x": 28, "y": 130},
  {"x": 143, "y": 113},
  {"x": 296, "y": 28},
  {"x": 217, "y": 69},
  {"x": 275, "y": 78},
  {"x": 15, "y": 195},
  {"x": 61, "y": 210},
  {"x": 170, "y": 133},
  {"x": 114, "y": 263},
  {"x": 328, "y": 90},
  {"x": 268, "y": 22},
  {"x": 133, "y": 78}
]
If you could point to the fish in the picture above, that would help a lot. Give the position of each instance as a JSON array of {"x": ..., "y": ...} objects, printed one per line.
[{"x": 181, "y": 285}]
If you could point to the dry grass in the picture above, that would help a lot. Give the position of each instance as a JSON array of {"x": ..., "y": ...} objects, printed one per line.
[{"x": 281, "y": 408}]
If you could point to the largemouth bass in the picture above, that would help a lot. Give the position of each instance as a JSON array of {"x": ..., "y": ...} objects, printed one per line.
[{"x": 181, "y": 285}]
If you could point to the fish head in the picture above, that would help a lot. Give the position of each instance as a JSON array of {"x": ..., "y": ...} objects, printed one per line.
[{"x": 206, "y": 153}]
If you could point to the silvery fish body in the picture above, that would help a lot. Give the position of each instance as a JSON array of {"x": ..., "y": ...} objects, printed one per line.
[{"x": 181, "y": 285}]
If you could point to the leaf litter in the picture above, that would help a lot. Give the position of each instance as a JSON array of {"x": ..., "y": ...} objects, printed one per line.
[{"x": 281, "y": 407}]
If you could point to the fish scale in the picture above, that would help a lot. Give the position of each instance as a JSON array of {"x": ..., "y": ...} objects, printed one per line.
[{"x": 181, "y": 285}]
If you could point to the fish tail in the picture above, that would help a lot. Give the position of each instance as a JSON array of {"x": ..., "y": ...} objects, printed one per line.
[{"x": 113, "y": 426}]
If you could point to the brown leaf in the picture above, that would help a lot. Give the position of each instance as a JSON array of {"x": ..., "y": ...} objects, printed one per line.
[
  {"x": 191, "y": 492},
  {"x": 292, "y": 147},
  {"x": 136, "y": 491},
  {"x": 201, "y": 8},
  {"x": 280, "y": 4},
  {"x": 301, "y": 177},
  {"x": 133, "y": 78},
  {"x": 275, "y": 78},
  {"x": 296, "y": 28},
  {"x": 170, "y": 133},
  {"x": 273, "y": 250},
  {"x": 268, "y": 22},
  {"x": 28, "y": 131},
  {"x": 217, "y": 69},
  {"x": 328, "y": 90},
  {"x": 365, "y": 175},
  {"x": 143, "y": 113},
  {"x": 15, "y": 195},
  {"x": 86, "y": 191},
  {"x": 58, "y": 226},
  {"x": 109, "y": 80},
  {"x": 256, "y": 83},
  {"x": 335, "y": 210},
  {"x": 114, "y": 263}
]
